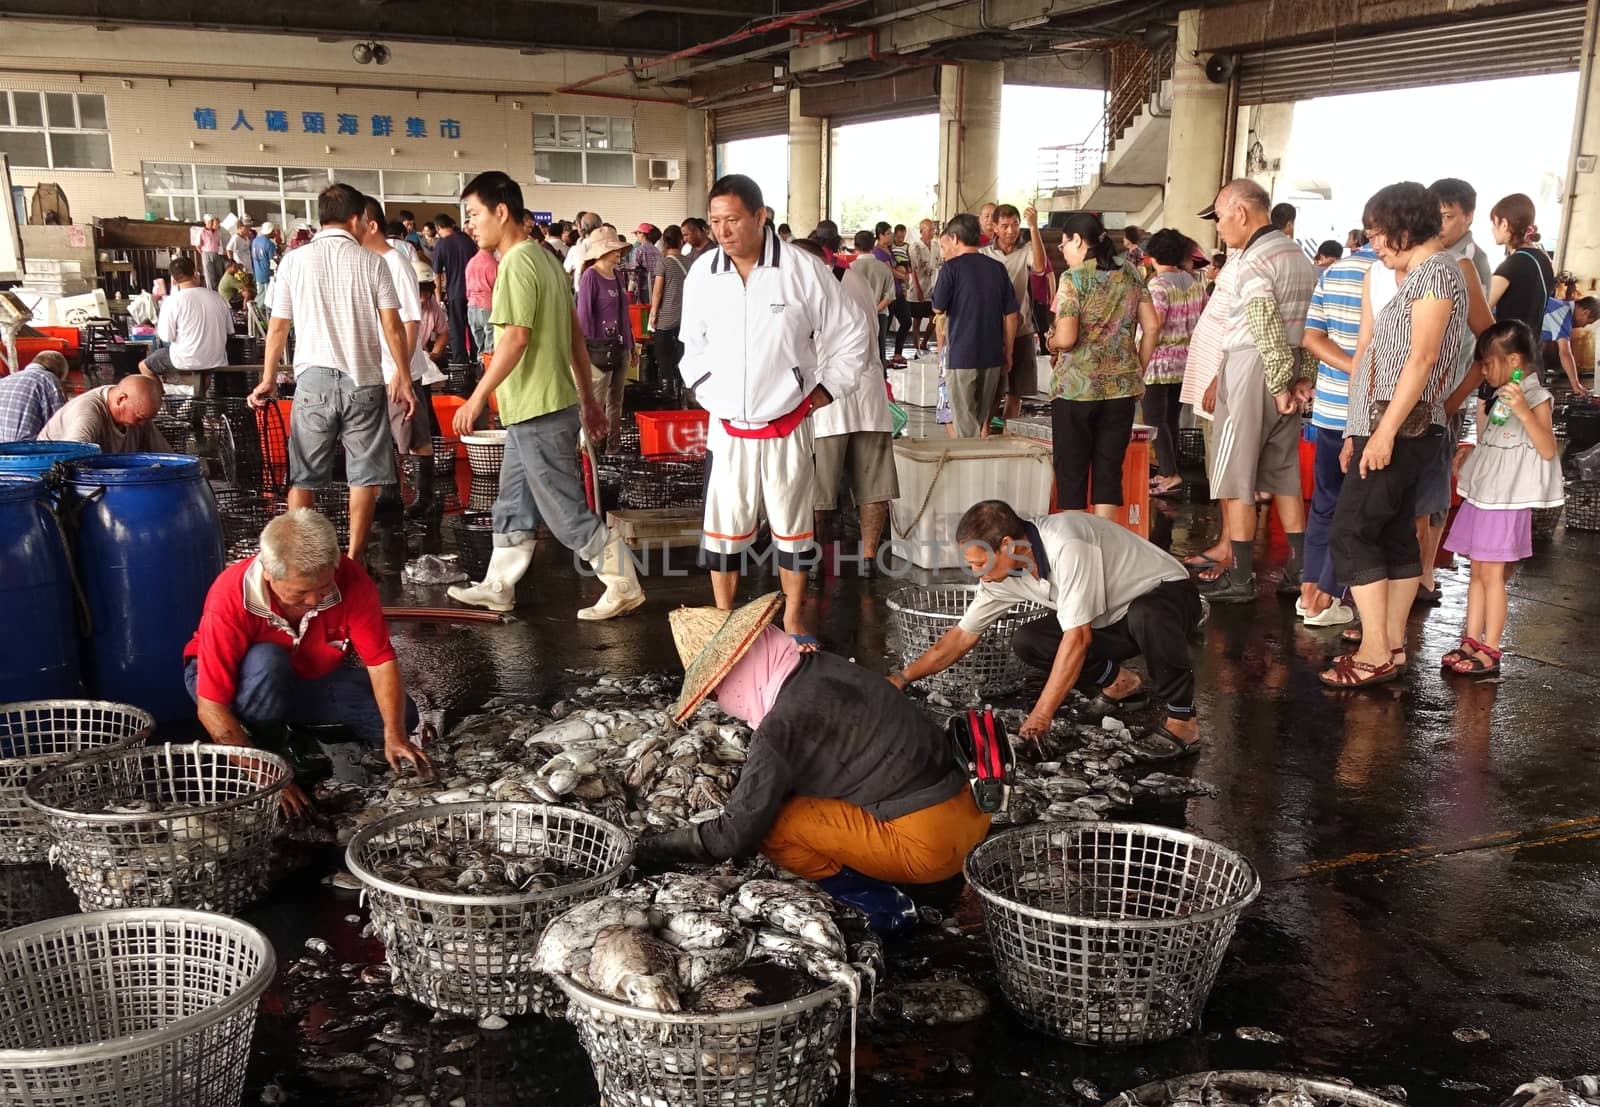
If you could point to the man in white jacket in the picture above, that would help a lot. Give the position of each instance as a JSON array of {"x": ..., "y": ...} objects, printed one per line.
[
  {"x": 854, "y": 438},
  {"x": 768, "y": 338}
]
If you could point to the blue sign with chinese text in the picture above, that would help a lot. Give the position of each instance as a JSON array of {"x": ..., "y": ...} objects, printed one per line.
[{"x": 275, "y": 121}]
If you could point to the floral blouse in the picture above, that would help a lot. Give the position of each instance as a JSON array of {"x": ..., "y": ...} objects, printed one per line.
[
  {"x": 1104, "y": 365},
  {"x": 1179, "y": 298}
]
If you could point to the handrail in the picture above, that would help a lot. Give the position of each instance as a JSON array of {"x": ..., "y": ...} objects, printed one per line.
[{"x": 1070, "y": 165}]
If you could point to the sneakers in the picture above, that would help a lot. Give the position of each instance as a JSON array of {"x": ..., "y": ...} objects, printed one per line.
[
  {"x": 1231, "y": 587},
  {"x": 887, "y": 908},
  {"x": 1337, "y": 614}
]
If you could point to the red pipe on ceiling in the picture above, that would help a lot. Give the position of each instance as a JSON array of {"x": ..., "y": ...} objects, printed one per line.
[{"x": 778, "y": 24}]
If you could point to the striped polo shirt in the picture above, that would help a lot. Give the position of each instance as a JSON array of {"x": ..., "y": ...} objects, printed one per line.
[{"x": 1336, "y": 312}]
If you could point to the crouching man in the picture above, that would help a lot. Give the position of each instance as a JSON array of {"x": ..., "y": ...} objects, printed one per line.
[
  {"x": 847, "y": 783},
  {"x": 1115, "y": 597},
  {"x": 272, "y": 643}
]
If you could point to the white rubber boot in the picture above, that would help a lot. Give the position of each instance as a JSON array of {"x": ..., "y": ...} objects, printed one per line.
[
  {"x": 615, "y": 570},
  {"x": 497, "y": 590}
]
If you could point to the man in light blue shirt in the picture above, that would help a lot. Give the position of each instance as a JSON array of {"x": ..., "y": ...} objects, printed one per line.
[{"x": 1333, "y": 323}]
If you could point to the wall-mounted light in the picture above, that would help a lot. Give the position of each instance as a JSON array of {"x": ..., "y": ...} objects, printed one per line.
[
  {"x": 516, "y": 105},
  {"x": 394, "y": 151},
  {"x": 327, "y": 149},
  {"x": 127, "y": 84},
  {"x": 193, "y": 145}
]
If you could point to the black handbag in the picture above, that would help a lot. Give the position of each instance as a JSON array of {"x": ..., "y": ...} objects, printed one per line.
[
  {"x": 606, "y": 354},
  {"x": 983, "y": 751}
]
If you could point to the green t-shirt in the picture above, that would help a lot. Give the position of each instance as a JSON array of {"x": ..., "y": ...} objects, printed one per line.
[{"x": 531, "y": 290}]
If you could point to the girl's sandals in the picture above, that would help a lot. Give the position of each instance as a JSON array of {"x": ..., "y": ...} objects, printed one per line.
[
  {"x": 1476, "y": 667},
  {"x": 1459, "y": 654},
  {"x": 1348, "y": 673}
]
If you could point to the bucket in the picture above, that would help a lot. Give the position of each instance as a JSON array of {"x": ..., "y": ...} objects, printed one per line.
[
  {"x": 148, "y": 544},
  {"x": 39, "y": 657}
]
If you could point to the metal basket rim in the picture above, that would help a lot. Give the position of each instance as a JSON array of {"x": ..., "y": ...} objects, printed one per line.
[
  {"x": 1148, "y": 829},
  {"x": 352, "y": 857},
  {"x": 1255, "y": 1080},
  {"x": 903, "y": 607},
  {"x": 138, "y": 737},
  {"x": 247, "y": 995},
  {"x": 285, "y": 778},
  {"x": 585, "y": 998}
]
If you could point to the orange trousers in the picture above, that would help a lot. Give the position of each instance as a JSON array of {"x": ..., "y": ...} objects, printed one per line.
[{"x": 813, "y": 838}]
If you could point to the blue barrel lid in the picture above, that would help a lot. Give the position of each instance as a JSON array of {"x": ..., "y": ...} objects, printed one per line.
[
  {"x": 133, "y": 469},
  {"x": 36, "y": 457},
  {"x": 19, "y": 487}
]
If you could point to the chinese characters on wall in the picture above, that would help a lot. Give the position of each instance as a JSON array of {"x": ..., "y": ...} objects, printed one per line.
[{"x": 320, "y": 123}]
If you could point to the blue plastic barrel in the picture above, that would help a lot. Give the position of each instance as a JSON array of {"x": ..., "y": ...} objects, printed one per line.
[
  {"x": 148, "y": 544},
  {"x": 34, "y": 459},
  {"x": 39, "y": 645}
]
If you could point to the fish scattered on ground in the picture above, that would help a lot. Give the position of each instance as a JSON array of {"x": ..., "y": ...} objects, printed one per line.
[
  {"x": 1257, "y": 1034},
  {"x": 933, "y": 1001},
  {"x": 1546, "y": 1091},
  {"x": 1469, "y": 1034}
]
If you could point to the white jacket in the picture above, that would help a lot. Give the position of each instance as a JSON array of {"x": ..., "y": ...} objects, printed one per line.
[
  {"x": 754, "y": 349},
  {"x": 866, "y": 408}
]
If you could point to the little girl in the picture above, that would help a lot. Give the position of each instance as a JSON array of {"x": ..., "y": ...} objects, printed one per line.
[{"x": 1511, "y": 471}]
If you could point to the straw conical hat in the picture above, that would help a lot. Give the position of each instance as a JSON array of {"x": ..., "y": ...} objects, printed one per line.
[{"x": 711, "y": 642}]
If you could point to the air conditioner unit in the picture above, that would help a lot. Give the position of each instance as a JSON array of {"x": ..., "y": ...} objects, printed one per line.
[{"x": 663, "y": 169}]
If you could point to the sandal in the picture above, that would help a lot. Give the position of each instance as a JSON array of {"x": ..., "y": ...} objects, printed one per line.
[
  {"x": 1476, "y": 667},
  {"x": 806, "y": 643},
  {"x": 1399, "y": 666},
  {"x": 1347, "y": 673},
  {"x": 1460, "y": 653},
  {"x": 1160, "y": 744},
  {"x": 1351, "y": 636},
  {"x": 1201, "y": 561}
]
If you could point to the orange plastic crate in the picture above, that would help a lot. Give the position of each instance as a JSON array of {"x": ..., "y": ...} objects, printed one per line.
[{"x": 672, "y": 432}]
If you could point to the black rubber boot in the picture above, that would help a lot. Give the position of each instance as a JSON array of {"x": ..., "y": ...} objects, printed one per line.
[{"x": 421, "y": 469}]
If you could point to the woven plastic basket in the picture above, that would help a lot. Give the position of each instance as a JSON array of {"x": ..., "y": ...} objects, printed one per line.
[
  {"x": 119, "y": 1008},
  {"x": 1545, "y": 520},
  {"x": 651, "y": 482},
  {"x": 474, "y": 955},
  {"x": 444, "y": 472},
  {"x": 485, "y": 451},
  {"x": 473, "y": 532},
  {"x": 244, "y": 513},
  {"x": 207, "y": 847},
  {"x": 777, "y": 1056},
  {"x": 1179, "y": 1090},
  {"x": 1583, "y": 505},
  {"x": 1192, "y": 446},
  {"x": 36, "y": 735},
  {"x": 1109, "y": 933},
  {"x": 922, "y": 614}
]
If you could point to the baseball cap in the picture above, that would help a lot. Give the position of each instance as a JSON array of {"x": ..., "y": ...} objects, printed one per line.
[{"x": 644, "y": 228}]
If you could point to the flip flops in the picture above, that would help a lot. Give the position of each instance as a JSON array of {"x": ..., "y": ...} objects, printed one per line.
[
  {"x": 1160, "y": 744},
  {"x": 1199, "y": 561},
  {"x": 806, "y": 643}
]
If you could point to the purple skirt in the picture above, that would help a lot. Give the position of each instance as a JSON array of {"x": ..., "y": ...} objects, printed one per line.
[{"x": 1491, "y": 535}]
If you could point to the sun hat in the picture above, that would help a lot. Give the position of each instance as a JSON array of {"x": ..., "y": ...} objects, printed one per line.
[
  {"x": 710, "y": 643},
  {"x": 602, "y": 241},
  {"x": 425, "y": 273},
  {"x": 267, "y": 227},
  {"x": 644, "y": 228}
]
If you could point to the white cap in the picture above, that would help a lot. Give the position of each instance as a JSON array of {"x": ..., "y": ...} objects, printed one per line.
[{"x": 267, "y": 228}]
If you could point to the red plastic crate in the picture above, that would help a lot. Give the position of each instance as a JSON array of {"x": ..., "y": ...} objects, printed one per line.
[
  {"x": 672, "y": 432},
  {"x": 27, "y": 347}
]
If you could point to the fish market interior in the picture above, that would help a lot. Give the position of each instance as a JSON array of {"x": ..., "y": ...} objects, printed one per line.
[{"x": 799, "y": 553}]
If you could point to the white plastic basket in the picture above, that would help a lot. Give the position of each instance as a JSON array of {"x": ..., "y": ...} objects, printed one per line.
[
  {"x": 124, "y": 1008},
  {"x": 922, "y": 615}
]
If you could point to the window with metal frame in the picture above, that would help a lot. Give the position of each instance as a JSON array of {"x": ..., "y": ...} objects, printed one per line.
[
  {"x": 55, "y": 130},
  {"x": 174, "y": 190},
  {"x": 583, "y": 149}
]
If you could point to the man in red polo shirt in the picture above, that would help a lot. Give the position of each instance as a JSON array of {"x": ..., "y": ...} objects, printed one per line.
[{"x": 273, "y": 638}]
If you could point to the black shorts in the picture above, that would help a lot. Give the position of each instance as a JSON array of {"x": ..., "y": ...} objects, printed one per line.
[
  {"x": 920, "y": 309},
  {"x": 1374, "y": 534}
]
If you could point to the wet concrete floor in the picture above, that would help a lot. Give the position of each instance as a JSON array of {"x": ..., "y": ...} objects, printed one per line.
[{"x": 1428, "y": 851}]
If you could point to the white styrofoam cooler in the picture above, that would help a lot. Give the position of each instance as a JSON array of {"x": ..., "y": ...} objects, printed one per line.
[
  {"x": 917, "y": 383},
  {"x": 941, "y": 477}
]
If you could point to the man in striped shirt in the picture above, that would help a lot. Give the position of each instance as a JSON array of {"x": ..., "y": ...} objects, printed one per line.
[{"x": 1333, "y": 324}]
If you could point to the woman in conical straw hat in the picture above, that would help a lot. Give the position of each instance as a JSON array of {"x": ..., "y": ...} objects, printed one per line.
[{"x": 847, "y": 782}]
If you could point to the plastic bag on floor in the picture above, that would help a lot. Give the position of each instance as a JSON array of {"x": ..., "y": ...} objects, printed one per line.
[
  {"x": 1584, "y": 466},
  {"x": 434, "y": 569}
]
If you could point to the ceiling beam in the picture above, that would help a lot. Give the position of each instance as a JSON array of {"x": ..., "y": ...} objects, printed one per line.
[{"x": 550, "y": 26}]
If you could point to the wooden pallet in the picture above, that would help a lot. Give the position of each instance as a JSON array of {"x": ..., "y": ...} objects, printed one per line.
[{"x": 673, "y": 527}]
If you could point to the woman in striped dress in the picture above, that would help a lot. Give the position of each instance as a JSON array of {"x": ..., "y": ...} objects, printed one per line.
[{"x": 1404, "y": 360}]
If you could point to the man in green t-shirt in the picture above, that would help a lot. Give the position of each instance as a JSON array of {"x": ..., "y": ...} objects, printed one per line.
[{"x": 540, "y": 375}]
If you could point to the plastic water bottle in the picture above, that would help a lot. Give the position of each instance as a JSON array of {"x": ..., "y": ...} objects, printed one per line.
[{"x": 1500, "y": 412}]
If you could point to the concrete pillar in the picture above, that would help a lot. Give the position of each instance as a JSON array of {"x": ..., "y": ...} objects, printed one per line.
[
  {"x": 804, "y": 209},
  {"x": 1271, "y": 126},
  {"x": 1197, "y": 136},
  {"x": 969, "y": 136},
  {"x": 694, "y": 175},
  {"x": 1579, "y": 244}
]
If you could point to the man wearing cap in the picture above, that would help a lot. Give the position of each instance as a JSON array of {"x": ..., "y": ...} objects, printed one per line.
[
  {"x": 646, "y": 255},
  {"x": 28, "y": 399},
  {"x": 195, "y": 323},
  {"x": 767, "y": 338},
  {"x": 1263, "y": 378},
  {"x": 1114, "y": 597},
  {"x": 263, "y": 252},
  {"x": 847, "y": 783},
  {"x": 119, "y": 418}
]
